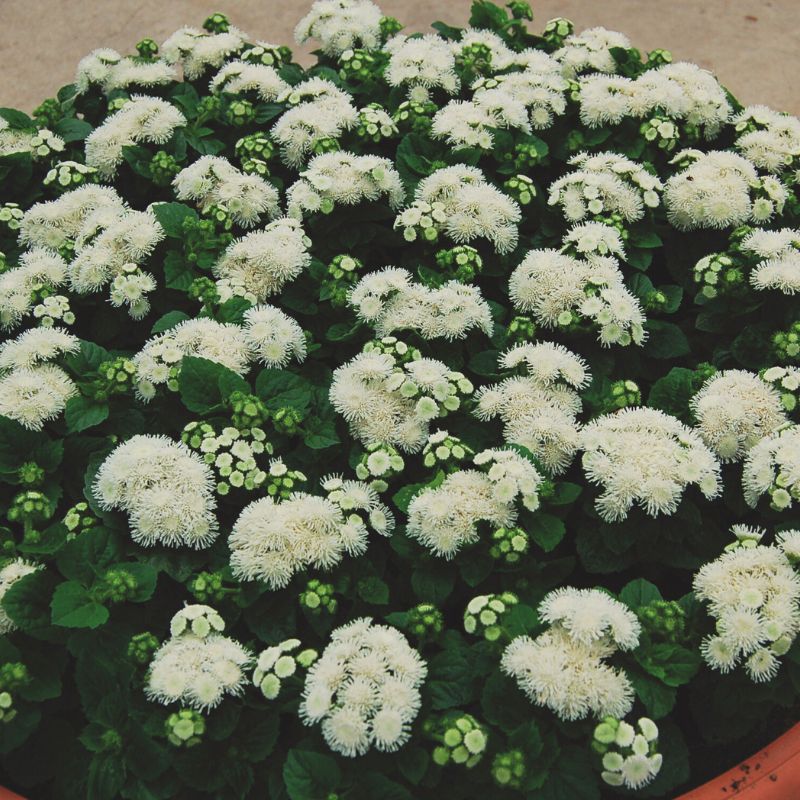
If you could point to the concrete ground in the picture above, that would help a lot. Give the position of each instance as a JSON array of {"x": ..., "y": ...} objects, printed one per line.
[{"x": 752, "y": 45}]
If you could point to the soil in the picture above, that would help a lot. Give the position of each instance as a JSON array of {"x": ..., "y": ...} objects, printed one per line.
[{"x": 752, "y": 45}]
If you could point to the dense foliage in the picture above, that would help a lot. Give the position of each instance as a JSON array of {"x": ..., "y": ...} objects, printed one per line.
[{"x": 626, "y": 209}]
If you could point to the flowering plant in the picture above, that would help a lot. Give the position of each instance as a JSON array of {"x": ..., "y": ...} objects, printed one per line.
[{"x": 422, "y": 421}]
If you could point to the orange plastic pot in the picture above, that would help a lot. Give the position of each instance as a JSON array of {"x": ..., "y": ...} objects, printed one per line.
[
  {"x": 5, "y": 794},
  {"x": 771, "y": 774}
]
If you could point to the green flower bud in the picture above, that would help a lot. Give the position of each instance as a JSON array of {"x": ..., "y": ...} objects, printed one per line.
[
  {"x": 142, "y": 646},
  {"x": 184, "y": 728},
  {"x": 508, "y": 769}
]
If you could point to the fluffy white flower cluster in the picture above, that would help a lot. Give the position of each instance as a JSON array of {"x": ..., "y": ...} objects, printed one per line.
[
  {"x": 319, "y": 110},
  {"x": 539, "y": 87},
  {"x": 605, "y": 183},
  {"x": 197, "y": 668},
  {"x": 390, "y": 301},
  {"x": 392, "y": 397},
  {"x": 538, "y": 409},
  {"x": 564, "y": 667},
  {"x": 590, "y": 50},
  {"x": 196, "y": 50},
  {"x": 445, "y": 518},
  {"x": 770, "y": 139},
  {"x": 272, "y": 540},
  {"x": 141, "y": 119},
  {"x": 421, "y": 63},
  {"x": 364, "y": 689},
  {"x": 560, "y": 290},
  {"x": 593, "y": 239},
  {"x": 772, "y": 467},
  {"x": 109, "y": 70},
  {"x": 719, "y": 189},
  {"x": 38, "y": 269},
  {"x": 780, "y": 253},
  {"x": 340, "y": 25},
  {"x": 679, "y": 91},
  {"x": 158, "y": 362},
  {"x": 469, "y": 123},
  {"x": 646, "y": 457},
  {"x": 753, "y": 594},
  {"x": 343, "y": 178},
  {"x": 459, "y": 202},
  {"x": 166, "y": 489},
  {"x": 33, "y": 391},
  {"x": 238, "y": 77},
  {"x": 267, "y": 335},
  {"x": 260, "y": 263},
  {"x": 10, "y": 573},
  {"x": 735, "y": 410},
  {"x": 214, "y": 181}
]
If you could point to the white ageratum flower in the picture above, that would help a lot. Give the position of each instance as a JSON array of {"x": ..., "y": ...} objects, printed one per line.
[
  {"x": 644, "y": 457},
  {"x": 539, "y": 409},
  {"x": 390, "y": 302},
  {"x": 564, "y": 668},
  {"x": 262, "y": 262},
  {"x": 38, "y": 267},
  {"x": 445, "y": 518},
  {"x": 630, "y": 756},
  {"x": 714, "y": 190},
  {"x": 271, "y": 541},
  {"x": 340, "y": 25},
  {"x": 605, "y": 183},
  {"x": 344, "y": 178},
  {"x": 158, "y": 362},
  {"x": 735, "y": 410},
  {"x": 389, "y": 402},
  {"x": 142, "y": 119},
  {"x": 107, "y": 69},
  {"x": 239, "y": 77},
  {"x": 421, "y": 62},
  {"x": 273, "y": 337},
  {"x": 559, "y": 290},
  {"x": 196, "y": 50},
  {"x": 197, "y": 670},
  {"x": 35, "y": 346},
  {"x": 772, "y": 467},
  {"x": 166, "y": 489},
  {"x": 591, "y": 614},
  {"x": 213, "y": 180},
  {"x": 780, "y": 253},
  {"x": 56, "y": 223},
  {"x": 318, "y": 110},
  {"x": 459, "y": 202},
  {"x": 753, "y": 594},
  {"x": 539, "y": 86},
  {"x": 10, "y": 573},
  {"x": 590, "y": 50},
  {"x": 594, "y": 239},
  {"x": 364, "y": 689},
  {"x": 770, "y": 139}
]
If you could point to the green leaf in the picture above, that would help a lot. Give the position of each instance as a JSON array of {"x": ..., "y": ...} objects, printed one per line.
[
  {"x": 260, "y": 737},
  {"x": 374, "y": 784},
  {"x": 546, "y": 530},
  {"x": 106, "y": 777},
  {"x": 639, "y": 593},
  {"x": 17, "y": 119},
  {"x": 279, "y": 388},
  {"x": 169, "y": 320},
  {"x": 572, "y": 777},
  {"x": 178, "y": 273},
  {"x": 16, "y": 444},
  {"x": 665, "y": 340},
  {"x": 320, "y": 433},
  {"x": 87, "y": 359},
  {"x": 145, "y": 575},
  {"x": 73, "y": 607},
  {"x": 72, "y": 129},
  {"x": 310, "y": 776},
  {"x": 673, "y": 392},
  {"x": 82, "y": 413},
  {"x": 171, "y": 217},
  {"x": 201, "y": 384},
  {"x": 658, "y": 698},
  {"x": 670, "y": 663},
  {"x": 565, "y": 494},
  {"x": 27, "y": 601},
  {"x": 373, "y": 590},
  {"x": 413, "y": 763},
  {"x": 433, "y": 582}
]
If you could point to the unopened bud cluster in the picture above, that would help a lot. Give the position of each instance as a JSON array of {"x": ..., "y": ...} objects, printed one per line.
[
  {"x": 318, "y": 597},
  {"x": 461, "y": 262},
  {"x": 509, "y": 545},
  {"x": 277, "y": 664},
  {"x": 484, "y": 614},
  {"x": 443, "y": 451},
  {"x": 461, "y": 739},
  {"x": 630, "y": 754},
  {"x": 379, "y": 465},
  {"x": 185, "y": 728}
]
